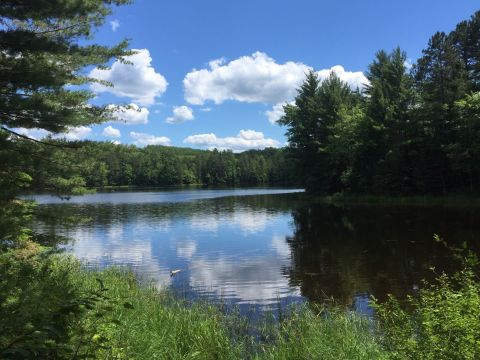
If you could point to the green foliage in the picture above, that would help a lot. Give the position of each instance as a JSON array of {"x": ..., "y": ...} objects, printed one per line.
[
  {"x": 52, "y": 308},
  {"x": 66, "y": 187},
  {"x": 42, "y": 306},
  {"x": 41, "y": 54},
  {"x": 153, "y": 324},
  {"x": 45, "y": 48},
  {"x": 409, "y": 132},
  {"x": 318, "y": 108},
  {"x": 466, "y": 38},
  {"x": 464, "y": 151},
  {"x": 440, "y": 322},
  {"x": 95, "y": 164},
  {"x": 14, "y": 219}
]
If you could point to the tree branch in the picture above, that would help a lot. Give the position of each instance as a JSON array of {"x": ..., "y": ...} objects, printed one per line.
[{"x": 71, "y": 146}]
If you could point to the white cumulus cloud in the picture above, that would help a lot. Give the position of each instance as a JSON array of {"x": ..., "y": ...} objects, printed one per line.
[
  {"x": 180, "y": 114},
  {"x": 255, "y": 78},
  {"x": 130, "y": 115},
  {"x": 33, "y": 133},
  {"x": 142, "y": 139},
  {"x": 354, "y": 79},
  {"x": 115, "y": 24},
  {"x": 138, "y": 81},
  {"x": 277, "y": 111},
  {"x": 72, "y": 134},
  {"x": 110, "y": 131},
  {"x": 76, "y": 133},
  {"x": 245, "y": 140}
]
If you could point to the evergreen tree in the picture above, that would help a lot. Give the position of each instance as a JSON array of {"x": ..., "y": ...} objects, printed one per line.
[
  {"x": 441, "y": 79},
  {"x": 302, "y": 121},
  {"x": 389, "y": 100},
  {"x": 310, "y": 122},
  {"x": 44, "y": 49},
  {"x": 466, "y": 39},
  {"x": 334, "y": 97},
  {"x": 464, "y": 150}
]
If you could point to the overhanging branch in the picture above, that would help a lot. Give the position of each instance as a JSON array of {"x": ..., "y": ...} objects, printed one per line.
[{"x": 71, "y": 146}]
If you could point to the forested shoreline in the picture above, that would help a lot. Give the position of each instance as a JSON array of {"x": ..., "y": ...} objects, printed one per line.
[{"x": 100, "y": 164}]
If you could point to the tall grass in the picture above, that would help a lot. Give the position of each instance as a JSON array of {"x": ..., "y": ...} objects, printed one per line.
[
  {"x": 53, "y": 308},
  {"x": 152, "y": 324},
  {"x": 324, "y": 334},
  {"x": 143, "y": 323}
]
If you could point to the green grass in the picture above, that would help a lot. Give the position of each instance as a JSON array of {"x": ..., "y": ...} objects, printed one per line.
[
  {"x": 159, "y": 325},
  {"x": 330, "y": 334},
  {"x": 152, "y": 324}
]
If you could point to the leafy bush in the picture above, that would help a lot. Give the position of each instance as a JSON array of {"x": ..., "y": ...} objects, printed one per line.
[
  {"x": 43, "y": 306},
  {"x": 441, "y": 322}
]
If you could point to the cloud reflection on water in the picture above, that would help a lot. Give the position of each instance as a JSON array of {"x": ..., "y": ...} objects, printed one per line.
[
  {"x": 238, "y": 254},
  {"x": 115, "y": 249},
  {"x": 257, "y": 280}
]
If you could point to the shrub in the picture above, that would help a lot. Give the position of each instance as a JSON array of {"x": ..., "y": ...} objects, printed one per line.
[{"x": 441, "y": 322}]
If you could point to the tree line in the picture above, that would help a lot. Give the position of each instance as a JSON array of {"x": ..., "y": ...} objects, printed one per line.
[
  {"x": 410, "y": 130},
  {"x": 100, "y": 164}
]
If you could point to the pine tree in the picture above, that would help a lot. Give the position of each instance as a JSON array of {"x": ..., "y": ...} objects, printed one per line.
[
  {"x": 388, "y": 102},
  {"x": 466, "y": 39},
  {"x": 302, "y": 120},
  {"x": 45, "y": 47},
  {"x": 318, "y": 107},
  {"x": 441, "y": 80}
]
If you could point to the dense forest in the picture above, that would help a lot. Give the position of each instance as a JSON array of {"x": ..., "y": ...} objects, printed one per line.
[
  {"x": 413, "y": 129},
  {"x": 99, "y": 164}
]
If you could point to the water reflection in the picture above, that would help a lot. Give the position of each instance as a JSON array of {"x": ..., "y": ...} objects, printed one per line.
[
  {"x": 247, "y": 279},
  {"x": 233, "y": 248},
  {"x": 266, "y": 248},
  {"x": 347, "y": 252},
  {"x": 103, "y": 246}
]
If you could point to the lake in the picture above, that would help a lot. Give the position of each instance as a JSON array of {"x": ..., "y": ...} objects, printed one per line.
[{"x": 258, "y": 248}]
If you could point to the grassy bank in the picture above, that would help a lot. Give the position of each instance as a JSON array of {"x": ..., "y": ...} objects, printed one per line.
[
  {"x": 52, "y": 308},
  {"x": 163, "y": 326},
  {"x": 68, "y": 312}
]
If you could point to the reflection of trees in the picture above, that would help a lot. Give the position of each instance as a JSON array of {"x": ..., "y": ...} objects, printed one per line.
[
  {"x": 336, "y": 251},
  {"x": 376, "y": 250},
  {"x": 53, "y": 217}
]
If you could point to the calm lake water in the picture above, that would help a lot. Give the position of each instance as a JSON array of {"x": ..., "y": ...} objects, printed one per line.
[{"x": 260, "y": 247}]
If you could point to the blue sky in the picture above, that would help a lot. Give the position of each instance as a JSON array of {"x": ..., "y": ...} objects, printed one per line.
[{"x": 225, "y": 64}]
